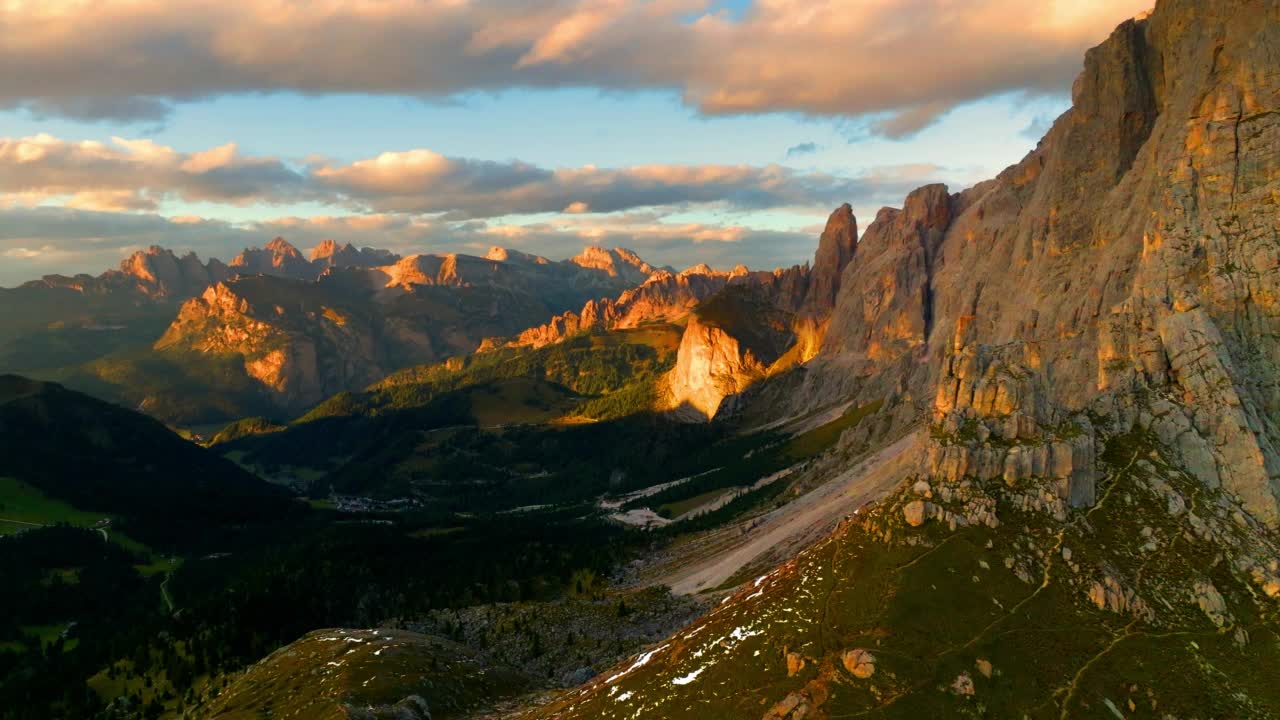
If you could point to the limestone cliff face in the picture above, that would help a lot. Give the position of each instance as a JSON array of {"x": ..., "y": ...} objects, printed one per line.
[
  {"x": 836, "y": 247},
  {"x": 711, "y": 365},
  {"x": 760, "y": 324},
  {"x": 1125, "y": 271}
]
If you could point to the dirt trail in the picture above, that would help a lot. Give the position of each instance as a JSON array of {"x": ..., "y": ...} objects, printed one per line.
[{"x": 803, "y": 520}]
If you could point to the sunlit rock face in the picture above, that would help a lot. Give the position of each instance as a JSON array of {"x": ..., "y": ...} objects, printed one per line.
[
  {"x": 760, "y": 324},
  {"x": 1128, "y": 260},
  {"x": 710, "y": 366},
  {"x": 664, "y": 296}
]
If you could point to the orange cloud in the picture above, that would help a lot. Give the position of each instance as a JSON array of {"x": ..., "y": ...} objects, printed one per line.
[{"x": 905, "y": 60}]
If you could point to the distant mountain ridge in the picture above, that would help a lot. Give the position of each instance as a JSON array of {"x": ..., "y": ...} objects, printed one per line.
[
  {"x": 305, "y": 340},
  {"x": 308, "y": 327}
]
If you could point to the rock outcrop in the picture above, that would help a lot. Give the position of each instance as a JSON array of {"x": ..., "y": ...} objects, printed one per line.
[
  {"x": 710, "y": 366},
  {"x": 760, "y": 324}
]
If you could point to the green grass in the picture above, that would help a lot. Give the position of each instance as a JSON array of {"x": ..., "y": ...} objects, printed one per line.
[
  {"x": 676, "y": 509},
  {"x": 46, "y": 634},
  {"x": 23, "y": 506},
  {"x": 435, "y": 532},
  {"x": 319, "y": 674},
  {"x": 745, "y": 459},
  {"x": 931, "y": 603},
  {"x": 159, "y": 566},
  {"x": 817, "y": 440}
]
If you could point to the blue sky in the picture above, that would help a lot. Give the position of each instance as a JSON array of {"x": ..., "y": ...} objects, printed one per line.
[{"x": 575, "y": 129}]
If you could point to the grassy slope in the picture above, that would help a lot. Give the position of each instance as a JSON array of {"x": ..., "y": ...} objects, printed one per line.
[
  {"x": 23, "y": 506},
  {"x": 326, "y": 671},
  {"x": 931, "y": 603},
  {"x": 396, "y": 428},
  {"x": 595, "y": 366},
  {"x": 99, "y": 457},
  {"x": 742, "y": 460}
]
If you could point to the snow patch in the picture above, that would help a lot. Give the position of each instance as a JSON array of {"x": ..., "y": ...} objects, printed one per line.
[
  {"x": 686, "y": 679},
  {"x": 640, "y": 662}
]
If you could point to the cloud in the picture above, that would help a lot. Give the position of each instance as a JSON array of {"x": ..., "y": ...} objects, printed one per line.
[
  {"x": 1038, "y": 127},
  {"x": 898, "y": 62},
  {"x": 424, "y": 182},
  {"x": 141, "y": 175},
  {"x": 135, "y": 174},
  {"x": 807, "y": 148}
]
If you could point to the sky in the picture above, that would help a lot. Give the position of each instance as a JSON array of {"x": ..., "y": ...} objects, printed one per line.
[{"x": 690, "y": 131}]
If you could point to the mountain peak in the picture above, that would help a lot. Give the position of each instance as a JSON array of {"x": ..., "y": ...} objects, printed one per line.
[
  {"x": 616, "y": 262},
  {"x": 329, "y": 248},
  {"x": 280, "y": 246},
  {"x": 498, "y": 253},
  {"x": 836, "y": 249}
]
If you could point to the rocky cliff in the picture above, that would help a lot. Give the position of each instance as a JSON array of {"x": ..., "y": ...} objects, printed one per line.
[
  {"x": 760, "y": 324},
  {"x": 1125, "y": 271},
  {"x": 730, "y": 342},
  {"x": 1087, "y": 346},
  {"x": 304, "y": 340}
]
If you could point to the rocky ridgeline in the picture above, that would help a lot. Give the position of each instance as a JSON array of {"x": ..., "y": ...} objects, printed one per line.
[
  {"x": 279, "y": 258},
  {"x": 664, "y": 296},
  {"x": 719, "y": 356},
  {"x": 305, "y": 337}
]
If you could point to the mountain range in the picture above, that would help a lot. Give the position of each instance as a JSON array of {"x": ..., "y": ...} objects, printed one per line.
[
  {"x": 1010, "y": 451},
  {"x": 274, "y": 332}
]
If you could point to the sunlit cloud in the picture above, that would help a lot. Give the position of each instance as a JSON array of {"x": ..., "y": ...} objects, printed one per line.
[
  {"x": 136, "y": 174},
  {"x": 130, "y": 174},
  {"x": 899, "y": 63}
]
